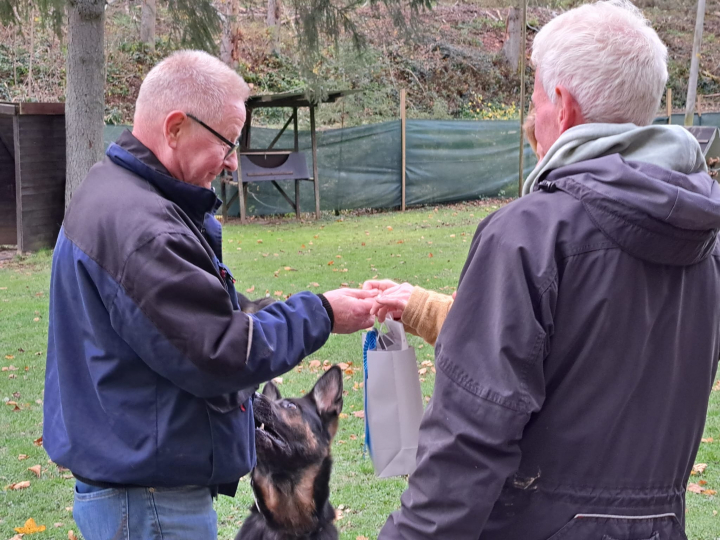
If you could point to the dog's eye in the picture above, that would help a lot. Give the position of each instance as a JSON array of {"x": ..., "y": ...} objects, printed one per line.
[{"x": 289, "y": 405}]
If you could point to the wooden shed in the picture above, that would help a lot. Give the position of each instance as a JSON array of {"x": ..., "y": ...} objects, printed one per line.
[{"x": 32, "y": 174}]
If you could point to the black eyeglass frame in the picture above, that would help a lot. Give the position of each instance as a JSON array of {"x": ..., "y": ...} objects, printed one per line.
[{"x": 233, "y": 145}]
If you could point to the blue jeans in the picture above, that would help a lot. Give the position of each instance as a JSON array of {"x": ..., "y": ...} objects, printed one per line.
[{"x": 180, "y": 513}]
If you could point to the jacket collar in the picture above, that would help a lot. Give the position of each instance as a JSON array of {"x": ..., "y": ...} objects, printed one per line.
[{"x": 129, "y": 153}]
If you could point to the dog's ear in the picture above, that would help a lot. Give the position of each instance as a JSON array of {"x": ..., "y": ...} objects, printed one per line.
[
  {"x": 271, "y": 391},
  {"x": 328, "y": 393}
]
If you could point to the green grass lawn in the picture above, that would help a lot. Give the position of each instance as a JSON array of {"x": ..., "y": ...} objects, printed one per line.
[{"x": 427, "y": 247}]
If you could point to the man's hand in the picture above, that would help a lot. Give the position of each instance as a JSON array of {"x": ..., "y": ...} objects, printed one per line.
[
  {"x": 392, "y": 301},
  {"x": 378, "y": 284},
  {"x": 351, "y": 309}
]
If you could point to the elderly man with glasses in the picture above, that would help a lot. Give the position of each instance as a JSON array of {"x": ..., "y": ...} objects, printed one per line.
[{"x": 151, "y": 364}]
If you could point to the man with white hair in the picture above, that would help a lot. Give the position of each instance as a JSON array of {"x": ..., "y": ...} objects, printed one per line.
[
  {"x": 575, "y": 366},
  {"x": 151, "y": 365}
]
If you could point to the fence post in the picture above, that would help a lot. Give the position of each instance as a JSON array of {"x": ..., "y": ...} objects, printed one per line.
[
  {"x": 523, "y": 38},
  {"x": 402, "y": 145}
]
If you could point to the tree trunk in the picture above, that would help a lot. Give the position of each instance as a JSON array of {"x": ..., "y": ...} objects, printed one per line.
[
  {"x": 85, "y": 92},
  {"x": 231, "y": 34},
  {"x": 147, "y": 24},
  {"x": 511, "y": 47},
  {"x": 694, "y": 64},
  {"x": 226, "y": 38},
  {"x": 274, "y": 12}
]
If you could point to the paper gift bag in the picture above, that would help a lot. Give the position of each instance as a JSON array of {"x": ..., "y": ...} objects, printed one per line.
[{"x": 393, "y": 402}]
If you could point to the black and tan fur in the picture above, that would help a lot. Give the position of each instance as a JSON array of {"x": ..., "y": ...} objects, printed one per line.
[{"x": 291, "y": 481}]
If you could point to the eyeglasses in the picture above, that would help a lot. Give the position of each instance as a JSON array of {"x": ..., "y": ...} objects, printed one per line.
[{"x": 233, "y": 145}]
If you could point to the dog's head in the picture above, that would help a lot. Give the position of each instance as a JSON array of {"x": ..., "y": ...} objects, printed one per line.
[{"x": 291, "y": 434}]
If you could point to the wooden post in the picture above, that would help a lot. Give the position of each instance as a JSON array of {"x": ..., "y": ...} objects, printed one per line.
[
  {"x": 223, "y": 197},
  {"x": 402, "y": 146},
  {"x": 314, "y": 158},
  {"x": 668, "y": 104},
  {"x": 295, "y": 127},
  {"x": 694, "y": 64},
  {"x": 522, "y": 98},
  {"x": 699, "y": 107}
]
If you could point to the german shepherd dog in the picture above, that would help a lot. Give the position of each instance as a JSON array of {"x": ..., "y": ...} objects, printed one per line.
[{"x": 291, "y": 481}]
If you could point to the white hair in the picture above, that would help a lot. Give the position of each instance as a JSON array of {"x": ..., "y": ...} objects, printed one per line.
[
  {"x": 193, "y": 82},
  {"x": 608, "y": 57}
]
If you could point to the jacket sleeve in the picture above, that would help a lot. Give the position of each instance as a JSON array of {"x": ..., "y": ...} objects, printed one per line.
[
  {"x": 173, "y": 310},
  {"x": 489, "y": 381},
  {"x": 425, "y": 313}
]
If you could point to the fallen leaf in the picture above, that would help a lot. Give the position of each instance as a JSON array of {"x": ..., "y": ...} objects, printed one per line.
[
  {"x": 708, "y": 440},
  {"x": 389, "y": 228},
  {"x": 342, "y": 365},
  {"x": 353, "y": 437},
  {"x": 38, "y": 441},
  {"x": 259, "y": 241},
  {"x": 22, "y": 457},
  {"x": 251, "y": 289},
  {"x": 9, "y": 357},
  {"x": 17, "y": 537},
  {"x": 331, "y": 263},
  {"x": 37, "y": 469},
  {"x": 314, "y": 363},
  {"x": 361, "y": 538},
  {"x": 71, "y": 535},
  {"x": 702, "y": 482},
  {"x": 699, "y": 468},
  {"x": 430, "y": 255},
  {"x": 19, "y": 485},
  {"x": 709, "y": 492},
  {"x": 314, "y": 284},
  {"x": 57, "y": 525},
  {"x": 30, "y": 527},
  {"x": 343, "y": 415},
  {"x": 694, "y": 488},
  {"x": 422, "y": 371},
  {"x": 278, "y": 293},
  {"x": 12, "y": 368},
  {"x": 278, "y": 380},
  {"x": 359, "y": 414},
  {"x": 36, "y": 319}
]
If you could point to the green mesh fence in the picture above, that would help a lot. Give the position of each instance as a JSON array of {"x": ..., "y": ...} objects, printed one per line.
[{"x": 360, "y": 167}]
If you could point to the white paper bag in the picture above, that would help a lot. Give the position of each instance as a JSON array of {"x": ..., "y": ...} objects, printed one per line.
[{"x": 393, "y": 403}]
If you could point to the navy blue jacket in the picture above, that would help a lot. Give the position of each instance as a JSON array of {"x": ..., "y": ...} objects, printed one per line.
[{"x": 150, "y": 362}]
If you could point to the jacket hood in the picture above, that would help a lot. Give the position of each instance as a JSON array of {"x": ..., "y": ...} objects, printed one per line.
[{"x": 653, "y": 213}]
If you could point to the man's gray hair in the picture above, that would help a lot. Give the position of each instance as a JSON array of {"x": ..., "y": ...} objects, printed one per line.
[
  {"x": 608, "y": 57},
  {"x": 193, "y": 82}
]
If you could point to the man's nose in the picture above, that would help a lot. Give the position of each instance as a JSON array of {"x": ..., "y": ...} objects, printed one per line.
[{"x": 231, "y": 161}]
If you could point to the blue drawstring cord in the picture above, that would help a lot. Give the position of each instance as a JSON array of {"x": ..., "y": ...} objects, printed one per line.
[{"x": 369, "y": 345}]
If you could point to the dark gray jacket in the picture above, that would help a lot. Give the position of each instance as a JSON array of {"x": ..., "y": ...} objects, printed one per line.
[{"x": 575, "y": 367}]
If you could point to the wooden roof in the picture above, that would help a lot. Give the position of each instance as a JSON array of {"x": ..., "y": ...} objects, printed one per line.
[
  {"x": 294, "y": 99},
  {"x": 14, "y": 109}
]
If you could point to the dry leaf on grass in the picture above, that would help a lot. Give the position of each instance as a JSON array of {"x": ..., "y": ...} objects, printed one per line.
[
  {"x": 694, "y": 488},
  {"x": 19, "y": 485},
  {"x": 359, "y": 414},
  {"x": 708, "y": 440},
  {"x": 314, "y": 363},
  {"x": 22, "y": 456},
  {"x": 251, "y": 289},
  {"x": 36, "y": 469},
  {"x": 699, "y": 468},
  {"x": 71, "y": 535},
  {"x": 38, "y": 441},
  {"x": 30, "y": 527}
]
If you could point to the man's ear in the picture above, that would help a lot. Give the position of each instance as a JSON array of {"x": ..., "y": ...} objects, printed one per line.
[
  {"x": 271, "y": 391},
  {"x": 328, "y": 393},
  {"x": 570, "y": 111},
  {"x": 174, "y": 123}
]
